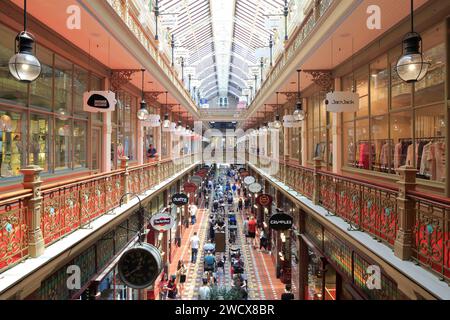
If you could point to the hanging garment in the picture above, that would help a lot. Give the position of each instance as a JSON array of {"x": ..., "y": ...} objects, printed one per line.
[
  {"x": 425, "y": 163},
  {"x": 410, "y": 155},
  {"x": 397, "y": 155},
  {"x": 363, "y": 155},
  {"x": 351, "y": 153},
  {"x": 439, "y": 165}
]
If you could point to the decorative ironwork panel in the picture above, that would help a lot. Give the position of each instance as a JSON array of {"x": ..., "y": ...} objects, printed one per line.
[
  {"x": 432, "y": 237},
  {"x": 105, "y": 249},
  {"x": 60, "y": 213},
  {"x": 13, "y": 233}
]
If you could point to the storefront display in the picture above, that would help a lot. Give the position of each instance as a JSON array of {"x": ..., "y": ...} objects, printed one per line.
[{"x": 407, "y": 129}]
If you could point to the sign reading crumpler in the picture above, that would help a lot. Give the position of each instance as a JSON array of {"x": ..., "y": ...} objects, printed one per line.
[
  {"x": 180, "y": 199},
  {"x": 162, "y": 221},
  {"x": 280, "y": 221},
  {"x": 342, "y": 101}
]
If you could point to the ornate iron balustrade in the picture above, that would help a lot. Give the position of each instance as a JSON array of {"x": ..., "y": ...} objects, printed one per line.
[
  {"x": 14, "y": 228},
  {"x": 431, "y": 241},
  {"x": 143, "y": 36},
  {"x": 298, "y": 38},
  {"x": 375, "y": 210},
  {"x": 68, "y": 206}
]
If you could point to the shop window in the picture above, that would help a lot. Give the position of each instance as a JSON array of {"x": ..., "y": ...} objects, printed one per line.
[
  {"x": 349, "y": 144},
  {"x": 363, "y": 144},
  {"x": 63, "y": 134},
  {"x": 400, "y": 90},
  {"x": 318, "y": 131},
  {"x": 431, "y": 88},
  {"x": 295, "y": 143},
  {"x": 379, "y": 80},
  {"x": 80, "y": 86},
  {"x": 15, "y": 92},
  {"x": 381, "y": 144},
  {"x": 41, "y": 90},
  {"x": 391, "y": 142},
  {"x": 80, "y": 144},
  {"x": 347, "y": 85},
  {"x": 429, "y": 149},
  {"x": 362, "y": 88},
  {"x": 63, "y": 86},
  {"x": 39, "y": 141},
  {"x": 12, "y": 143},
  {"x": 401, "y": 124},
  {"x": 165, "y": 136}
]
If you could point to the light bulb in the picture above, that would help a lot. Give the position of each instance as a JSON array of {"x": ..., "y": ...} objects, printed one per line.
[
  {"x": 142, "y": 114},
  {"x": 299, "y": 115},
  {"x": 24, "y": 66}
]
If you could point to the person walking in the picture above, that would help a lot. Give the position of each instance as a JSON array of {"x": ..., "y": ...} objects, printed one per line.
[
  {"x": 263, "y": 240},
  {"x": 252, "y": 231},
  {"x": 181, "y": 277},
  {"x": 245, "y": 230},
  {"x": 192, "y": 212},
  {"x": 163, "y": 286},
  {"x": 240, "y": 204},
  {"x": 287, "y": 295},
  {"x": 172, "y": 288},
  {"x": 204, "y": 293},
  {"x": 195, "y": 241}
]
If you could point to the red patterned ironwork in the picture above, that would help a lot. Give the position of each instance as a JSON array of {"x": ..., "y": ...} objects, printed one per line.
[{"x": 13, "y": 231}]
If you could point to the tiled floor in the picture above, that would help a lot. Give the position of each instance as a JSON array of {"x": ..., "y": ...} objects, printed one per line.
[{"x": 259, "y": 267}]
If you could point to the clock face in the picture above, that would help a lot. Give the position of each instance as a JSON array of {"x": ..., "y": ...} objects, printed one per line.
[{"x": 139, "y": 267}]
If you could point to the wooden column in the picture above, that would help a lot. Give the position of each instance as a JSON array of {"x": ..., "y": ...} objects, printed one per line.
[
  {"x": 125, "y": 180},
  {"x": 406, "y": 213},
  {"x": 316, "y": 191},
  {"x": 32, "y": 180}
]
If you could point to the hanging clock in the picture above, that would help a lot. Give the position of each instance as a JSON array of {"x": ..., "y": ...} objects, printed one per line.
[{"x": 140, "y": 266}]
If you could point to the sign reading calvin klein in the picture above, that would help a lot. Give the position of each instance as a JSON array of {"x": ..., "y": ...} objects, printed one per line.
[
  {"x": 99, "y": 101},
  {"x": 180, "y": 199},
  {"x": 342, "y": 101},
  {"x": 280, "y": 221}
]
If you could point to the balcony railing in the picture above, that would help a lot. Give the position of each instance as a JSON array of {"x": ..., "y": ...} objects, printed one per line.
[
  {"x": 414, "y": 225},
  {"x": 143, "y": 35},
  {"x": 297, "y": 39},
  {"x": 59, "y": 209}
]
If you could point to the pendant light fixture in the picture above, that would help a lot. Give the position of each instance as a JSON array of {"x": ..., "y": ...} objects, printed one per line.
[
  {"x": 142, "y": 114},
  {"x": 277, "y": 123},
  {"x": 23, "y": 65},
  {"x": 299, "y": 114},
  {"x": 166, "y": 122},
  {"x": 411, "y": 67}
]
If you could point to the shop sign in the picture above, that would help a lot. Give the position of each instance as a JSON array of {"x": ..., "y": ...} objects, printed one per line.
[
  {"x": 264, "y": 200},
  {"x": 280, "y": 221},
  {"x": 290, "y": 122},
  {"x": 189, "y": 187},
  {"x": 245, "y": 174},
  {"x": 153, "y": 120},
  {"x": 342, "y": 101},
  {"x": 162, "y": 221},
  {"x": 99, "y": 101},
  {"x": 181, "y": 52},
  {"x": 255, "y": 187},
  {"x": 272, "y": 22},
  {"x": 169, "y": 21},
  {"x": 196, "y": 179},
  {"x": 180, "y": 199},
  {"x": 249, "y": 180}
]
